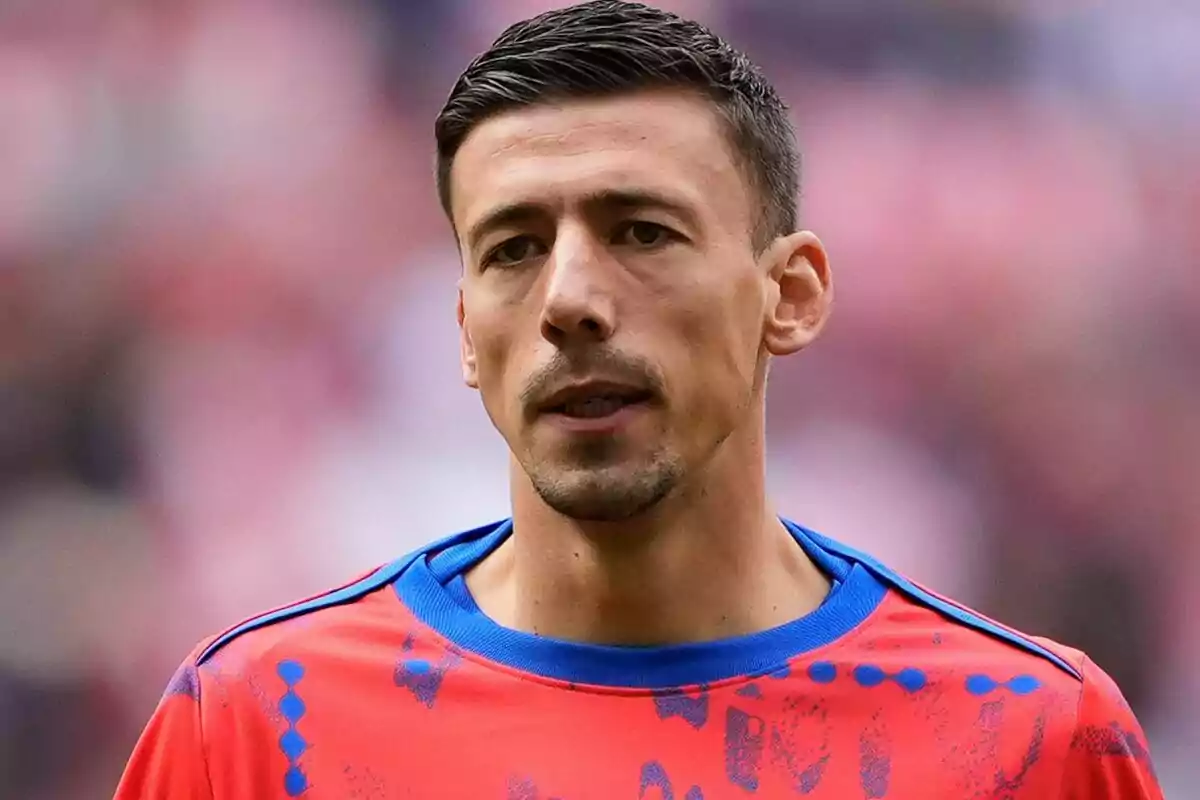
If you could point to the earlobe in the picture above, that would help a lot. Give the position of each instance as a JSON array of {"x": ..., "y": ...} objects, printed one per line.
[
  {"x": 466, "y": 347},
  {"x": 803, "y": 294}
]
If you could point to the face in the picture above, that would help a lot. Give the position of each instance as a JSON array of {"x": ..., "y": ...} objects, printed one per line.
[{"x": 615, "y": 316}]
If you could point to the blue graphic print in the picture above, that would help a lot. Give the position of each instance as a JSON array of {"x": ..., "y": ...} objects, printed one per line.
[
  {"x": 982, "y": 685},
  {"x": 874, "y": 764},
  {"x": 912, "y": 680},
  {"x": 675, "y": 703},
  {"x": 745, "y": 739},
  {"x": 525, "y": 789},
  {"x": 822, "y": 672},
  {"x": 654, "y": 776},
  {"x": 293, "y": 745},
  {"x": 185, "y": 682},
  {"x": 421, "y": 677}
]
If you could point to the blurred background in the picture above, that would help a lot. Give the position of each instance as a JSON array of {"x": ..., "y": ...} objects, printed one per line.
[{"x": 228, "y": 356}]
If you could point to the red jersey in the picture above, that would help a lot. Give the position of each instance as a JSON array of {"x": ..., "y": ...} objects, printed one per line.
[{"x": 397, "y": 686}]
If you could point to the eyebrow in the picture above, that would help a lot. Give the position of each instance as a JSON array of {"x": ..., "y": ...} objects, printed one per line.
[{"x": 620, "y": 199}]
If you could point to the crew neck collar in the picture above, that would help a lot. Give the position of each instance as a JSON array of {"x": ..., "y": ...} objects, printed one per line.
[{"x": 422, "y": 587}]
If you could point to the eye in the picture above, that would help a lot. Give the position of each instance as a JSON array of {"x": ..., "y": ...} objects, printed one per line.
[
  {"x": 514, "y": 251},
  {"x": 639, "y": 233}
]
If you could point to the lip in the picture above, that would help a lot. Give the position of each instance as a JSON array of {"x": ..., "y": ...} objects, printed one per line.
[
  {"x": 581, "y": 391},
  {"x": 638, "y": 402},
  {"x": 606, "y": 425}
]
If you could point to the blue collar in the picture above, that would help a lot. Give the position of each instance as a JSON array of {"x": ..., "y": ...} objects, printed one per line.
[{"x": 422, "y": 587}]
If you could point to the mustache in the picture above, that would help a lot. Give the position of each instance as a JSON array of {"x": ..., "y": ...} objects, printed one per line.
[{"x": 603, "y": 364}]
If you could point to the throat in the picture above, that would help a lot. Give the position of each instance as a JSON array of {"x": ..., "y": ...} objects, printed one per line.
[{"x": 655, "y": 595}]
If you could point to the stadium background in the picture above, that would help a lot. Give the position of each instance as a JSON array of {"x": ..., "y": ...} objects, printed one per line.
[{"x": 228, "y": 364}]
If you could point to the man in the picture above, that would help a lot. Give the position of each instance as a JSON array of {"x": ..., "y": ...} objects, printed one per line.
[{"x": 621, "y": 184}]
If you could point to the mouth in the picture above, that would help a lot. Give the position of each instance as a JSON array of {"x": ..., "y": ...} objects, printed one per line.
[{"x": 594, "y": 401}]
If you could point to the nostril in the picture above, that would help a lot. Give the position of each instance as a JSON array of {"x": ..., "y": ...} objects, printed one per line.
[{"x": 563, "y": 322}]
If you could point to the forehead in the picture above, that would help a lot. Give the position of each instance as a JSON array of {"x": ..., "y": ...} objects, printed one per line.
[{"x": 669, "y": 143}]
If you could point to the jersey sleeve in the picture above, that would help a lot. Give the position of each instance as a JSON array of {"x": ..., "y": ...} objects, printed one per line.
[
  {"x": 169, "y": 758},
  {"x": 1108, "y": 758}
]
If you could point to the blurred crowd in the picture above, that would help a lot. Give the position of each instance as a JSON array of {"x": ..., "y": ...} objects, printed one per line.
[{"x": 228, "y": 355}]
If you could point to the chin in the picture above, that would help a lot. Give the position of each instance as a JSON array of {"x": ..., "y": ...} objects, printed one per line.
[
  {"x": 595, "y": 507},
  {"x": 611, "y": 494}
]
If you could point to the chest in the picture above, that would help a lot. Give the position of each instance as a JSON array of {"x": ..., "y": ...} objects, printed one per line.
[{"x": 445, "y": 729}]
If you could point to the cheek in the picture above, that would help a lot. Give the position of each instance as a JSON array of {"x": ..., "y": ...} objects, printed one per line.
[
  {"x": 505, "y": 334},
  {"x": 492, "y": 357},
  {"x": 724, "y": 331},
  {"x": 747, "y": 307},
  {"x": 719, "y": 341}
]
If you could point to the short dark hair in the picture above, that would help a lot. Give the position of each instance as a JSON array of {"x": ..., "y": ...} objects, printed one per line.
[{"x": 611, "y": 47}]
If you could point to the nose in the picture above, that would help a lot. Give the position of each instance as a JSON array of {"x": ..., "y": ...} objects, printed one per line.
[{"x": 578, "y": 304}]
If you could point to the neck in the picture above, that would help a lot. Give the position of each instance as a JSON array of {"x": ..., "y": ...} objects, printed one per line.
[{"x": 712, "y": 561}]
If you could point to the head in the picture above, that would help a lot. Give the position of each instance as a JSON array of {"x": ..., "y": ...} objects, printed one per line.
[{"x": 622, "y": 185}]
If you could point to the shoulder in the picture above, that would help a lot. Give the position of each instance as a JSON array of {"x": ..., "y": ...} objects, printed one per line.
[
  {"x": 1093, "y": 730},
  {"x": 243, "y": 667},
  {"x": 988, "y": 653},
  {"x": 959, "y": 629},
  {"x": 268, "y": 627},
  {"x": 237, "y": 691},
  {"x": 347, "y": 608}
]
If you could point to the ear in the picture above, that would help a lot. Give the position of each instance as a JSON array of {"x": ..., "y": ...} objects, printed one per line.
[
  {"x": 466, "y": 346},
  {"x": 803, "y": 293}
]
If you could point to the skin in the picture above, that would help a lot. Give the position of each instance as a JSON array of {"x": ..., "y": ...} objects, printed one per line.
[{"x": 611, "y": 239}]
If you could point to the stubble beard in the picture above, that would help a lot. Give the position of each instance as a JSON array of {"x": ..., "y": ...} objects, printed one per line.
[{"x": 592, "y": 488}]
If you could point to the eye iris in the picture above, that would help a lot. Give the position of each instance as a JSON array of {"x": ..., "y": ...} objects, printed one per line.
[
  {"x": 515, "y": 250},
  {"x": 644, "y": 233}
]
